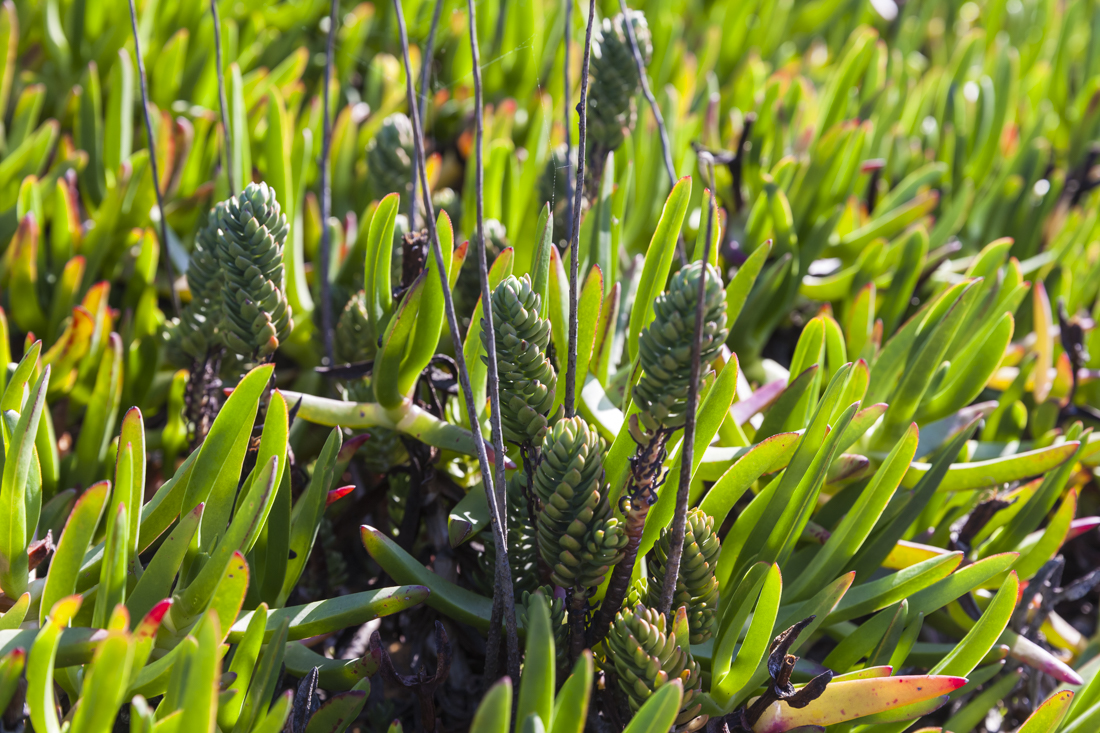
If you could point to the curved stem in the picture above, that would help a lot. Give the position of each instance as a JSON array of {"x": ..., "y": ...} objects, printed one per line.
[
  {"x": 493, "y": 381},
  {"x": 425, "y": 79},
  {"x": 666, "y": 146},
  {"x": 566, "y": 30},
  {"x": 153, "y": 163}
]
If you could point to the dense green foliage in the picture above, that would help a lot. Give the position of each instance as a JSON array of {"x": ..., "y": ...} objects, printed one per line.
[{"x": 883, "y": 219}]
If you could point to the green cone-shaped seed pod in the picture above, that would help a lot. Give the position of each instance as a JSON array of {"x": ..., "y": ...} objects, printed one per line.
[
  {"x": 468, "y": 288},
  {"x": 576, "y": 536},
  {"x": 527, "y": 378},
  {"x": 557, "y": 619},
  {"x": 192, "y": 336},
  {"x": 664, "y": 347},
  {"x": 389, "y": 157},
  {"x": 615, "y": 79},
  {"x": 445, "y": 199},
  {"x": 355, "y": 338},
  {"x": 251, "y": 233},
  {"x": 646, "y": 655},
  {"x": 696, "y": 586},
  {"x": 384, "y": 449},
  {"x": 554, "y": 186},
  {"x": 522, "y": 554}
]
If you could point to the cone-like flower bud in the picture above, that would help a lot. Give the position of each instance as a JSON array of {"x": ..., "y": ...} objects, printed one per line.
[
  {"x": 554, "y": 185},
  {"x": 647, "y": 654},
  {"x": 696, "y": 586},
  {"x": 615, "y": 80},
  {"x": 355, "y": 338},
  {"x": 251, "y": 232},
  {"x": 665, "y": 346},
  {"x": 527, "y": 378},
  {"x": 557, "y": 620},
  {"x": 577, "y": 536},
  {"x": 389, "y": 157},
  {"x": 197, "y": 330},
  {"x": 522, "y": 555}
]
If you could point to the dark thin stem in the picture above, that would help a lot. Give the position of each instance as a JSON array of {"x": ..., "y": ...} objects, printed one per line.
[
  {"x": 326, "y": 193},
  {"x": 666, "y": 146},
  {"x": 425, "y": 79},
  {"x": 503, "y": 585},
  {"x": 483, "y": 265},
  {"x": 737, "y": 166},
  {"x": 495, "y": 430},
  {"x": 568, "y": 125},
  {"x": 153, "y": 162},
  {"x": 662, "y": 130},
  {"x": 221, "y": 96},
  {"x": 687, "y": 451},
  {"x": 574, "y": 243}
]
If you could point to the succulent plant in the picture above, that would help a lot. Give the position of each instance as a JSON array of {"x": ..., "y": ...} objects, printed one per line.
[
  {"x": 389, "y": 157},
  {"x": 900, "y": 377},
  {"x": 522, "y": 551},
  {"x": 355, "y": 338},
  {"x": 647, "y": 653},
  {"x": 615, "y": 80},
  {"x": 527, "y": 379},
  {"x": 696, "y": 585},
  {"x": 577, "y": 536},
  {"x": 197, "y": 332},
  {"x": 251, "y": 232},
  {"x": 558, "y": 613},
  {"x": 554, "y": 186},
  {"x": 664, "y": 347}
]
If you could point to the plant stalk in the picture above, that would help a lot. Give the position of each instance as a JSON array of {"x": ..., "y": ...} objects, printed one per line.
[
  {"x": 574, "y": 237},
  {"x": 662, "y": 130},
  {"x": 639, "y": 496},
  {"x": 503, "y": 585},
  {"x": 425, "y": 79},
  {"x": 493, "y": 386},
  {"x": 687, "y": 452},
  {"x": 326, "y": 193},
  {"x": 153, "y": 163},
  {"x": 567, "y": 29}
]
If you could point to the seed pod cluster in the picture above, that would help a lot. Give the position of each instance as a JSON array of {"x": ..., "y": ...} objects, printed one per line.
[
  {"x": 615, "y": 80},
  {"x": 251, "y": 233},
  {"x": 696, "y": 585},
  {"x": 647, "y": 653},
  {"x": 389, "y": 157},
  {"x": 355, "y": 337},
  {"x": 527, "y": 378},
  {"x": 664, "y": 347},
  {"x": 197, "y": 330},
  {"x": 577, "y": 536}
]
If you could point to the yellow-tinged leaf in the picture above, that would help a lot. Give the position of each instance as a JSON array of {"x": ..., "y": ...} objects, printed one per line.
[
  {"x": 1044, "y": 343},
  {"x": 853, "y": 699},
  {"x": 906, "y": 554},
  {"x": 1049, "y": 716}
]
